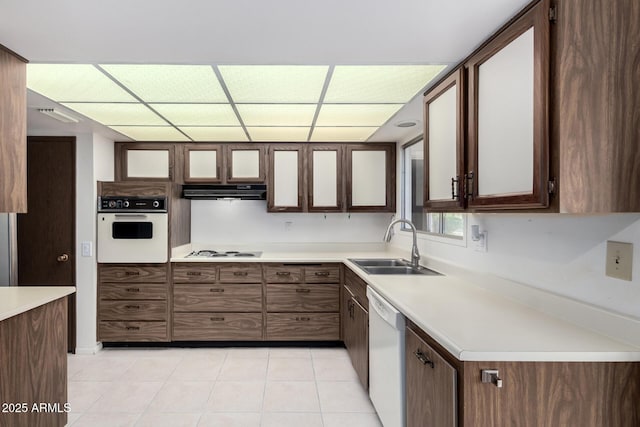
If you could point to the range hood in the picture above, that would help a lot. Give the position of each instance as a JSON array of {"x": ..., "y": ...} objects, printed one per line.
[{"x": 224, "y": 191}]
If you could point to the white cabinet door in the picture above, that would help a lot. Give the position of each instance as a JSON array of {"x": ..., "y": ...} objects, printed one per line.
[
  {"x": 285, "y": 182},
  {"x": 202, "y": 164},
  {"x": 245, "y": 164},
  {"x": 372, "y": 178},
  {"x": 148, "y": 164},
  {"x": 326, "y": 179}
]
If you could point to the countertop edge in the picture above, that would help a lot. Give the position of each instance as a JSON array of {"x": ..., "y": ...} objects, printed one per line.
[{"x": 29, "y": 297}]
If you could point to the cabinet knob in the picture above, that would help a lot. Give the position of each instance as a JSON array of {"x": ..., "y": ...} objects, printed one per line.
[
  {"x": 303, "y": 291},
  {"x": 491, "y": 376},
  {"x": 283, "y": 273},
  {"x": 240, "y": 273}
]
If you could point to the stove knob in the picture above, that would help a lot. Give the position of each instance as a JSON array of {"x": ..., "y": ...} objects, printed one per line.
[
  {"x": 125, "y": 204},
  {"x": 112, "y": 203},
  {"x": 156, "y": 204}
]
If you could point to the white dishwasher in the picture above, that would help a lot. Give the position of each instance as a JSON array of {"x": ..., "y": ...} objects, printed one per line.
[{"x": 386, "y": 360}]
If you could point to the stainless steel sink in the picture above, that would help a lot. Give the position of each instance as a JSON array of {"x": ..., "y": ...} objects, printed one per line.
[
  {"x": 380, "y": 262},
  {"x": 391, "y": 266}
]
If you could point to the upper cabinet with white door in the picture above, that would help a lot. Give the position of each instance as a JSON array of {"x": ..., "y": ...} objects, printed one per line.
[
  {"x": 444, "y": 144},
  {"x": 245, "y": 163},
  {"x": 148, "y": 161},
  {"x": 371, "y": 178},
  {"x": 508, "y": 157},
  {"x": 13, "y": 132},
  {"x": 325, "y": 177},
  {"x": 203, "y": 163},
  {"x": 285, "y": 183}
]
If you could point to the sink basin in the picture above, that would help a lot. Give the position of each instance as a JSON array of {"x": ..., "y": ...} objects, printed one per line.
[
  {"x": 380, "y": 262},
  {"x": 404, "y": 270}
]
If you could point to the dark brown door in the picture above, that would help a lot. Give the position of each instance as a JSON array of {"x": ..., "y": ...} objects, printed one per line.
[{"x": 46, "y": 233}]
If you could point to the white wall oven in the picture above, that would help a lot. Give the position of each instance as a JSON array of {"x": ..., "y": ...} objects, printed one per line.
[{"x": 133, "y": 230}]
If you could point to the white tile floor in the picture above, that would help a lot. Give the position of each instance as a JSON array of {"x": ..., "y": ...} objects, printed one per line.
[{"x": 247, "y": 387}]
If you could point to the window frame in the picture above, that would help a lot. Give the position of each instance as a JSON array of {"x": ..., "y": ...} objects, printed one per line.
[{"x": 422, "y": 234}]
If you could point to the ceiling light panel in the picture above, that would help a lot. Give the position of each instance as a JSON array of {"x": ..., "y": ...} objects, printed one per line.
[
  {"x": 356, "y": 115},
  {"x": 151, "y": 133},
  {"x": 342, "y": 134},
  {"x": 274, "y": 83},
  {"x": 282, "y": 134},
  {"x": 74, "y": 83},
  {"x": 198, "y": 114},
  {"x": 277, "y": 114},
  {"x": 170, "y": 83},
  {"x": 215, "y": 133},
  {"x": 379, "y": 83},
  {"x": 118, "y": 114}
]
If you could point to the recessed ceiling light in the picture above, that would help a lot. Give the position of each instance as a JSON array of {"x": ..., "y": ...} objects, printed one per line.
[{"x": 406, "y": 124}]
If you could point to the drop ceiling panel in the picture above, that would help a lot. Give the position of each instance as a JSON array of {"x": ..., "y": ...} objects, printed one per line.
[
  {"x": 356, "y": 115},
  {"x": 151, "y": 133},
  {"x": 117, "y": 114},
  {"x": 198, "y": 114},
  {"x": 217, "y": 133},
  {"x": 284, "y": 134},
  {"x": 277, "y": 114},
  {"x": 74, "y": 83},
  {"x": 274, "y": 83},
  {"x": 342, "y": 134},
  {"x": 379, "y": 84},
  {"x": 170, "y": 83}
]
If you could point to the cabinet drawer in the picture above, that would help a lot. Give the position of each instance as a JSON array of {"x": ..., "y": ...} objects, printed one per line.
[
  {"x": 133, "y": 310},
  {"x": 229, "y": 297},
  {"x": 115, "y": 291},
  {"x": 357, "y": 286},
  {"x": 217, "y": 326},
  {"x": 195, "y": 273},
  {"x": 283, "y": 274},
  {"x": 133, "y": 273},
  {"x": 321, "y": 274},
  {"x": 241, "y": 273},
  {"x": 303, "y": 326},
  {"x": 132, "y": 331},
  {"x": 305, "y": 298}
]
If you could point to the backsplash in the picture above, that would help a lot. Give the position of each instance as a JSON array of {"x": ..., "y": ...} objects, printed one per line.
[{"x": 247, "y": 221}]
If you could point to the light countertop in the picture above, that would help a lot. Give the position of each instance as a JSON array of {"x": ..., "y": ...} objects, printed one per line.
[
  {"x": 473, "y": 323},
  {"x": 15, "y": 300}
]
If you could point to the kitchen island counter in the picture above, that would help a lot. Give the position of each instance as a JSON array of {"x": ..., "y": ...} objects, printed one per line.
[{"x": 15, "y": 300}]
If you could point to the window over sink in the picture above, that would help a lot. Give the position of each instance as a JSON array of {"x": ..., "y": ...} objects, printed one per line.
[{"x": 447, "y": 225}]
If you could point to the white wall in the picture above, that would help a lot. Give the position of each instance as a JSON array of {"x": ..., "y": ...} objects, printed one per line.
[
  {"x": 248, "y": 222},
  {"x": 94, "y": 162},
  {"x": 563, "y": 254}
]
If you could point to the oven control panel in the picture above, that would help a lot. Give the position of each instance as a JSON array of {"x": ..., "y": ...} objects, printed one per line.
[{"x": 132, "y": 204}]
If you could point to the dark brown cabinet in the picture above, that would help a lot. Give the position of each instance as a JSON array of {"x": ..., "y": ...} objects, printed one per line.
[
  {"x": 371, "y": 177},
  {"x": 355, "y": 324},
  {"x": 13, "y": 132},
  {"x": 203, "y": 163},
  {"x": 245, "y": 163},
  {"x": 285, "y": 189},
  {"x": 145, "y": 161},
  {"x": 325, "y": 178}
]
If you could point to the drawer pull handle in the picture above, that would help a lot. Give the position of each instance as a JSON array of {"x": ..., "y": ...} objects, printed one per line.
[
  {"x": 216, "y": 290},
  {"x": 133, "y": 328},
  {"x": 133, "y": 289},
  {"x": 283, "y": 273},
  {"x": 240, "y": 273},
  {"x": 322, "y": 273},
  {"x": 303, "y": 319},
  {"x": 194, "y": 273},
  {"x": 131, "y": 273},
  {"x": 137, "y": 307},
  {"x": 303, "y": 291},
  {"x": 423, "y": 358},
  {"x": 217, "y": 319}
]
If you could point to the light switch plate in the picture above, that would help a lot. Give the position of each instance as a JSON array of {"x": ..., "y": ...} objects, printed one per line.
[
  {"x": 87, "y": 249},
  {"x": 619, "y": 260}
]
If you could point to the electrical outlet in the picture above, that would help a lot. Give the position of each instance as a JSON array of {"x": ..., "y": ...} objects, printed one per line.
[
  {"x": 288, "y": 225},
  {"x": 481, "y": 243},
  {"x": 619, "y": 260}
]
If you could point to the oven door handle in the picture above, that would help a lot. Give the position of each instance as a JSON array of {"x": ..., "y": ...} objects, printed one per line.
[{"x": 133, "y": 216}]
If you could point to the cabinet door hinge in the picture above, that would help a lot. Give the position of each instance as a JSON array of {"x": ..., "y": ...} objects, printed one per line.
[
  {"x": 553, "y": 14},
  {"x": 551, "y": 186}
]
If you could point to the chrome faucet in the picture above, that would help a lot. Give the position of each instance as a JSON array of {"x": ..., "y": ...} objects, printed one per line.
[{"x": 415, "y": 255}]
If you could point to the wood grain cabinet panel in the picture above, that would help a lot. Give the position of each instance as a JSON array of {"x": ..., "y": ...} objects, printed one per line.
[
  {"x": 13, "y": 132},
  {"x": 133, "y": 291},
  {"x": 283, "y": 274},
  {"x": 303, "y": 326},
  {"x": 132, "y": 331},
  {"x": 322, "y": 274},
  {"x": 355, "y": 333},
  {"x": 241, "y": 273},
  {"x": 303, "y": 298},
  {"x": 238, "y": 297},
  {"x": 195, "y": 273},
  {"x": 133, "y": 273},
  {"x": 217, "y": 326},
  {"x": 133, "y": 310}
]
